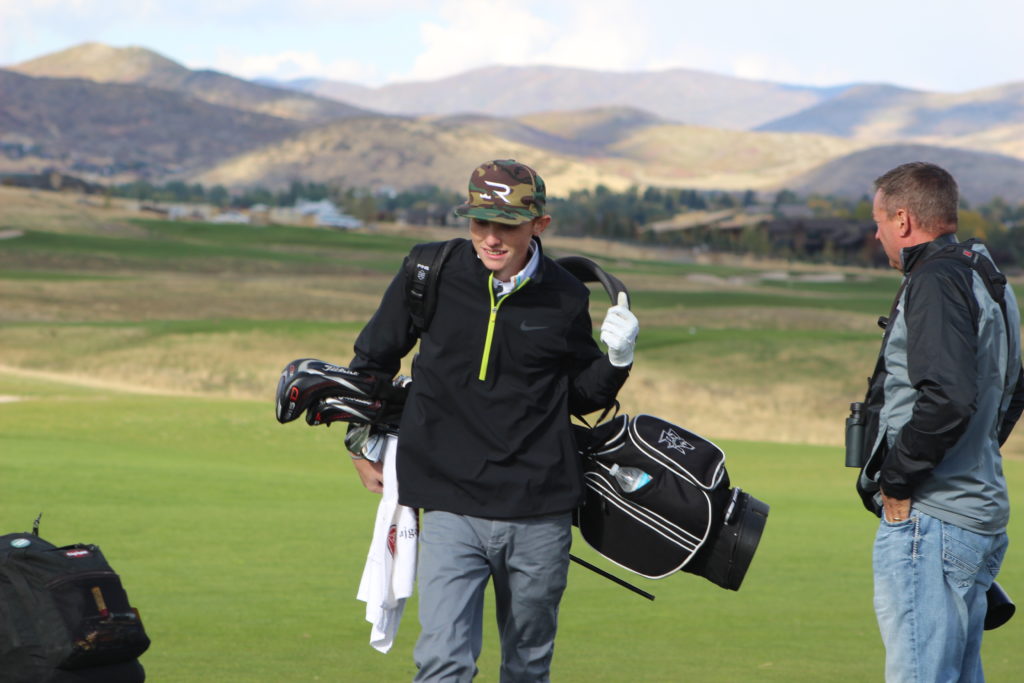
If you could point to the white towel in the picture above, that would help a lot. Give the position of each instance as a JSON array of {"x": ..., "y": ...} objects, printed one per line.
[{"x": 390, "y": 572}]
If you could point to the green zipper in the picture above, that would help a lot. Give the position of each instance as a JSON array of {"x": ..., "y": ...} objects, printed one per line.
[{"x": 491, "y": 320}]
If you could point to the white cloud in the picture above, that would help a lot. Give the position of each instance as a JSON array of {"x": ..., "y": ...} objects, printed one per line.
[
  {"x": 592, "y": 34},
  {"x": 762, "y": 67},
  {"x": 290, "y": 64},
  {"x": 471, "y": 33},
  {"x": 606, "y": 36}
]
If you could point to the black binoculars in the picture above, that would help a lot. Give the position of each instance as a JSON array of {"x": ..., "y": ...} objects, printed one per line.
[{"x": 855, "y": 456}]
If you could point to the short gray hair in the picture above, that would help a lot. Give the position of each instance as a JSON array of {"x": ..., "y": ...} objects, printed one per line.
[{"x": 927, "y": 191}]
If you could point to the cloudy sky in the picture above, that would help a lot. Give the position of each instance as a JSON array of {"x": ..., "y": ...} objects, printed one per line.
[{"x": 943, "y": 45}]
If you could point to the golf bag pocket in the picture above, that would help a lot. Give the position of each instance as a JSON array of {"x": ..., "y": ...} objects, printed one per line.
[
  {"x": 685, "y": 517},
  {"x": 641, "y": 530}
]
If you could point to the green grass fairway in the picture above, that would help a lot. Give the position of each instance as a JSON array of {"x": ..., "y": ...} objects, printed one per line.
[{"x": 242, "y": 541}]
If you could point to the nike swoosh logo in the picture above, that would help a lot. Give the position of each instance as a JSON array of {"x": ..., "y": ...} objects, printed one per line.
[{"x": 530, "y": 328}]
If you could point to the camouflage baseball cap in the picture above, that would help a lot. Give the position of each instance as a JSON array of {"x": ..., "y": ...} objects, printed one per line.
[{"x": 504, "y": 191}]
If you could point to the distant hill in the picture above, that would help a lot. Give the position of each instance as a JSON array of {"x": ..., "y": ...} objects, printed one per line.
[
  {"x": 883, "y": 112},
  {"x": 323, "y": 87},
  {"x": 593, "y": 128},
  {"x": 139, "y": 66},
  {"x": 1005, "y": 139},
  {"x": 402, "y": 153},
  {"x": 112, "y": 129},
  {"x": 981, "y": 176},
  {"x": 681, "y": 95}
]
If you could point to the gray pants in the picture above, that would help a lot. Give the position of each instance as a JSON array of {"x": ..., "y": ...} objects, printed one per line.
[{"x": 528, "y": 560}]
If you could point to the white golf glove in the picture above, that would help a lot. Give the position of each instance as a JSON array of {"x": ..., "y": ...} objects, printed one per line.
[{"x": 618, "y": 332}]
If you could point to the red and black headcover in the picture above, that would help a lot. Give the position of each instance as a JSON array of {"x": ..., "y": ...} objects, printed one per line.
[{"x": 306, "y": 381}]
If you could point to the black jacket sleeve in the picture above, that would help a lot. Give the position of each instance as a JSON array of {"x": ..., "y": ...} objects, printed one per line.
[
  {"x": 942, "y": 341},
  {"x": 594, "y": 381},
  {"x": 388, "y": 336},
  {"x": 1014, "y": 410}
]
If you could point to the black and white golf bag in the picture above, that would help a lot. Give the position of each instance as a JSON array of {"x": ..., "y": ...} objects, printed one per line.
[{"x": 685, "y": 518}]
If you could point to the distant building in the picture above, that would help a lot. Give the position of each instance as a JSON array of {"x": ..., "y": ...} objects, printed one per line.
[
  {"x": 324, "y": 212},
  {"x": 192, "y": 212},
  {"x": 231, "y": 217}
]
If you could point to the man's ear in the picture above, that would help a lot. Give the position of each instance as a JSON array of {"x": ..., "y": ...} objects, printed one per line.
[
  {"x": 541, "y": 224},
  {"x": 906, "y": 222}
]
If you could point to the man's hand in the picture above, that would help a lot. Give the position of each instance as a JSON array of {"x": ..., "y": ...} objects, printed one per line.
[
  {"x": 619, "y": 331},
  {"x": 370, "y": 473},
  {"x": 895, "y": 510}
]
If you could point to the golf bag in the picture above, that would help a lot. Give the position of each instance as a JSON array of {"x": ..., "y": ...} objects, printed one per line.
[
  {"x": 64, "y": 616},
  {"x": 686, "y": 517}
]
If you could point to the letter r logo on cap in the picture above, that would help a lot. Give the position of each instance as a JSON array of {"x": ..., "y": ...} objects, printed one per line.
[{"x": 503, "y": 192}]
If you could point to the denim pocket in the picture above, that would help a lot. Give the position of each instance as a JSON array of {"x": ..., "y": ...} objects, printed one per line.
[
  {"x": 903, "y": 522},
  {"x": 960, "y": 560}
]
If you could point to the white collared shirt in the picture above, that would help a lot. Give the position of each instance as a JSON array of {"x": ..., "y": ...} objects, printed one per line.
[{"x": 502, "y": 288}]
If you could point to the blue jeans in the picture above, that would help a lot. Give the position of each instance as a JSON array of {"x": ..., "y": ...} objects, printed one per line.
[
  {"x": 528, "y": 559},
  {"x": 930, "y": 583}
]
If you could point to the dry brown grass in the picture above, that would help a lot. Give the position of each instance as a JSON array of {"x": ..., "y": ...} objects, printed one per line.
[
  {"x": 137, "y": 297},
  {"x": 22, "y": 209}
]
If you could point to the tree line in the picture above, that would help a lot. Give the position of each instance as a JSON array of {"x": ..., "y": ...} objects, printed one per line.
[{"x": 815, "y": 228}]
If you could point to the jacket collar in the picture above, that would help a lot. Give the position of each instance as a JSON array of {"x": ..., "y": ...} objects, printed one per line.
[
  {"x": 538, "y": 275},
  {"x": 912, "y": 257}
]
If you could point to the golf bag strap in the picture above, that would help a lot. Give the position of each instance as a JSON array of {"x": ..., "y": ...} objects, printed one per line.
[
  {"x": 613, "y": 409},
  {"x": 586, "y": 270},
  {"x": 422, "y": 271}
]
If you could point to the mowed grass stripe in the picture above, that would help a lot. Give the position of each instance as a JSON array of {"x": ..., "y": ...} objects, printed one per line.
[
  {"x": 185, "y": 246},
  {"x": 276, "y": 236},
  {"x": 157, "y": 328},
  {"x": 134, "y": 249}
]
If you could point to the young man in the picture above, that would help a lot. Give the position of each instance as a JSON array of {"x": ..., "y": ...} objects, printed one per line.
[
  {"x": 486, "y": 448},
  {"x": 945, "y": 394}
]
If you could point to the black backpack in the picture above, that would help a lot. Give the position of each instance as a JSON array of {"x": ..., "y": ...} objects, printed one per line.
[
  {"x": 422, "y": 272},
  {"x": 64, "y": 616}
]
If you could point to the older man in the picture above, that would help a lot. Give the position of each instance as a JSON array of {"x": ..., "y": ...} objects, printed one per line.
[{"x": 945, "y": 394}]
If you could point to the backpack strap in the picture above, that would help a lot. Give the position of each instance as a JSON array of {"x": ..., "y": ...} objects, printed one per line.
[
  {"x": 422, "y": 272},
  {"x": 995, "y": 281}
]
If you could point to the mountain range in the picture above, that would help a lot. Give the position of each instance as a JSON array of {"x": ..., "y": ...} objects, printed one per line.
[
  {"x": 117, "y": 114},
  {"x": 680, "y": 95}
]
